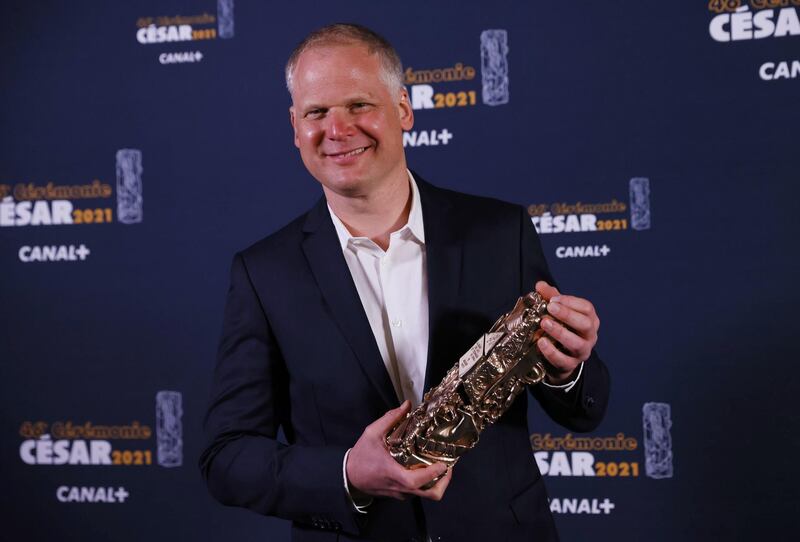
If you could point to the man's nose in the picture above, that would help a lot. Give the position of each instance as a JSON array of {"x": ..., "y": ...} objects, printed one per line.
[{"x": 340, "y": 124}]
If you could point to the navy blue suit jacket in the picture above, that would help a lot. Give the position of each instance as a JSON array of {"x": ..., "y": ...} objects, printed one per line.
[{"x": 297, "y": 353}]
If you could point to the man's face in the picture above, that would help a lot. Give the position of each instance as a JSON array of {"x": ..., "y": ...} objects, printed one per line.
[{"x": 347, "y": 123}]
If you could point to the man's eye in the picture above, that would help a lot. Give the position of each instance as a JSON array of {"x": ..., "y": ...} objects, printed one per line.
[
  {"x": 315, "y": 114},
  {"x": 360, "y": 106}
]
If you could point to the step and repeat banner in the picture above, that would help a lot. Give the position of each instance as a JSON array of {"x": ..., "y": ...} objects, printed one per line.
[{"x": 654, "y": 145}]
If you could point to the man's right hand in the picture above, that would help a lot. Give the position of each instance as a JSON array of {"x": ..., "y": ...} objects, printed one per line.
[{"x": 372, "y": 471}]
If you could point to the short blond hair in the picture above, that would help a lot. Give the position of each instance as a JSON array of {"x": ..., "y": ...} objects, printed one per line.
[{"x": 348, "y": 34}]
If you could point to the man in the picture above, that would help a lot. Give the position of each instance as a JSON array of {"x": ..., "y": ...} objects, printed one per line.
[{"x": 366, "y": 301}]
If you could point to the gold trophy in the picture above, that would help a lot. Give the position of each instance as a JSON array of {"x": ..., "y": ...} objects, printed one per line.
[{"x": 475, "y": 392}]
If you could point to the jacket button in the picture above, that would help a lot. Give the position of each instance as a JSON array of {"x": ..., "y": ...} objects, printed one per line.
[{"x": 589, "y": 401}]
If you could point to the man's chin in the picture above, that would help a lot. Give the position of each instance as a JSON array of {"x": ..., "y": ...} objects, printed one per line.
[{"x": 344, "y": 185}]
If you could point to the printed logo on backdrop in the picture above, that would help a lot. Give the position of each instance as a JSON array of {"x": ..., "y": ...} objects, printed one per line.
[
  {"x": 656, "y": 425},
  {"x": 753, "y": 20},
  {"x": 126, "y": 444},
  {"x": 459, "y": 86},
  {"x": 605, "y": 218},
  {"x": 95, "y": 203},
  {"x": 606, "y": 457},
  {"x": 197, "y": 31}
]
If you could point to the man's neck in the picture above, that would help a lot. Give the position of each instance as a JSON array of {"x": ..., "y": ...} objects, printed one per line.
[{"x": 375, "y": 215}]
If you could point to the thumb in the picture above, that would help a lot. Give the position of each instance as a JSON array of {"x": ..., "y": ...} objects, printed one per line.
[
  {"x": 546, "y": 291},
  {"x": 391, "y": 418}
]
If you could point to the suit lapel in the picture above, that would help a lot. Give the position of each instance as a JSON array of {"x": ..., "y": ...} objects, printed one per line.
[
  {"x": 443, "y": 248},
  {"x": 324, "y": 254}
]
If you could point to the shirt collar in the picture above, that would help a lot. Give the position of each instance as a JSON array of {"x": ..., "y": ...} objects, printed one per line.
[{"x": 414, "y": 224}]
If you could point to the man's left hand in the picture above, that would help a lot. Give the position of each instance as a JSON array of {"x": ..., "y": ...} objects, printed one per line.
[{"x": 573, "y": 323}]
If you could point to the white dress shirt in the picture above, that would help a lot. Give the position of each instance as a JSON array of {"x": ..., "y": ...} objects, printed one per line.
[{"x": 393, "y": 288}]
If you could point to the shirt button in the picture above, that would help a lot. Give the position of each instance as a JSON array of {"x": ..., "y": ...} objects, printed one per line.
[{"x": 397, "y": 323}]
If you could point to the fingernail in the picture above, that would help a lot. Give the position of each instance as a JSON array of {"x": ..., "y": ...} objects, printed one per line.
[
  {"x": 547, "y": 323},
  {"x": 555, "y": 308},
  {"x": 555, "y": 298},
  {"x": 542, "y": 343}
]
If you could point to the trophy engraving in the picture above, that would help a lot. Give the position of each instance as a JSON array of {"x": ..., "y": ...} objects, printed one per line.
[{"x": 476, "y": 391}]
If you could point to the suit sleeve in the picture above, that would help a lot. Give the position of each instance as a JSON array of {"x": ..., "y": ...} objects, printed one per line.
[
  {"x": 244, "y": 464},
  {"x": 584, "y": 406}
]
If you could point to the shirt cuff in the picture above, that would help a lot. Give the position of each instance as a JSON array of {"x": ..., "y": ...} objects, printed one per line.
[
  {"x": 361, "y": 507},
  {"x": 566, "y": 387}
]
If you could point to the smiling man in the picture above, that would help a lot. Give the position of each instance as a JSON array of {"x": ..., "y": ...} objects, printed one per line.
[
  {"x": 360, "y": 305},
  {"x": 348, "y": 114}
]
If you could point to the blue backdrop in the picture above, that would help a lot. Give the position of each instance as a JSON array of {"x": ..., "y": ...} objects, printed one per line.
[{"x": 654, "y": 144}]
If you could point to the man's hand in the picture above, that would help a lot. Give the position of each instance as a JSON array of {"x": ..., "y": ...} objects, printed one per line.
[
  {"x": 372, "y": 471},
  {"x": 573, "y": 325}
]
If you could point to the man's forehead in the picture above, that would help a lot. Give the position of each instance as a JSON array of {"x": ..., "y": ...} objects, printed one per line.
[{"x": 327, "y": 69}]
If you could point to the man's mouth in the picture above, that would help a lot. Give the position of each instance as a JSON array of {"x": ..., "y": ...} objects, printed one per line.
[{"x": 348, "y": 154}]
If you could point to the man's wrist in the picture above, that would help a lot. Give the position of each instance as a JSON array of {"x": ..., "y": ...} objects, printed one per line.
[
  {"x": 566, "y": 386},
  {"x": 359, "y": 501}
]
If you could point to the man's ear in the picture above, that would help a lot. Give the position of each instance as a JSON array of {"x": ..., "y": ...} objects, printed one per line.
[
  {"x": 293, "y": 120},
  {"x": 405, "y": 111}
]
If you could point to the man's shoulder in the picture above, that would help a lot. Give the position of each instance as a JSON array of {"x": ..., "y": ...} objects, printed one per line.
[
  {"x": 469, "y": 206},
  {"x": 282, "y": 242}
]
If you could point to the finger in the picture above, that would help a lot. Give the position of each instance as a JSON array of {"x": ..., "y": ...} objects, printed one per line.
[
  {"x": 545, "y": 290},
  {"x": 568, "y": 339},
  {"x": 390, "y": 419},
  {"x": 413, "y": 479},
  {"x": 436, "y": 492},
  {"x": 581, "y": 323},
  {"x": 561, "y": 361},
  {"x": 579, "y": 305},
  {"x": 576, "y": 303}
]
